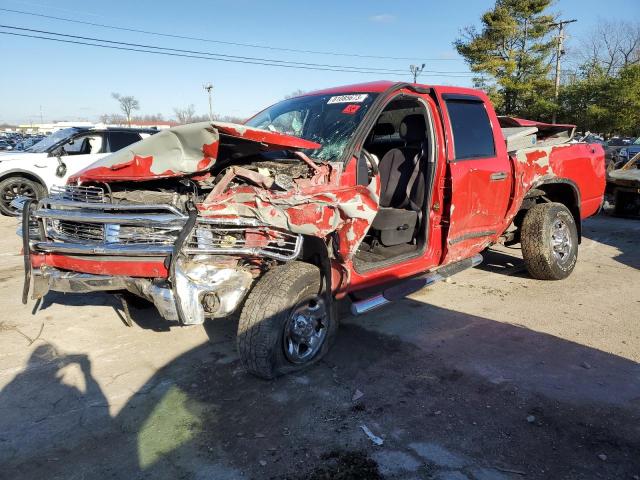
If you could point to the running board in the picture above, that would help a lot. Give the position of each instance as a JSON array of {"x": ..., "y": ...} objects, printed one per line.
[{"x": 413, "y": 285}]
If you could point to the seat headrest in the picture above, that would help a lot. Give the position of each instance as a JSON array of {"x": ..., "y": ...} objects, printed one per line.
[
  {"x": 384, "y": 129},
  {"x": 413, "y": 128}
]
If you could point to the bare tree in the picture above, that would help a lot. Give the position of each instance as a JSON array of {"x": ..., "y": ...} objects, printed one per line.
[
  {"x": 127, "y": 104},
  {"x": 611, "y": 45},
  {"x": 295, "y": 93},
  {"x": 186, "y": 114}
]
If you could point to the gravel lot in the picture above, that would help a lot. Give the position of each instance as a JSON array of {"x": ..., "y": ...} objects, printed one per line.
[{"x": 491, "y": 376}]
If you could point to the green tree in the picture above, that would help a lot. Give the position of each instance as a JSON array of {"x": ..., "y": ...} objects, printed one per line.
[
  {"x": 624, "y": 101},
  {"x": 515, "y": 50},
  {"x": 584, "y": 100}
]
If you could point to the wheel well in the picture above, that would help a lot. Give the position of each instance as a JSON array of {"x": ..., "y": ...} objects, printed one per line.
[
  {"x": 27, "y": 175},
  {"x": 314, "y": 251},
  {"x": 559, "y": 192}
]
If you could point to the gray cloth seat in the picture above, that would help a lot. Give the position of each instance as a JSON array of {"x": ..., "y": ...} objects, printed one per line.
[{"x": 402, "y": 185}]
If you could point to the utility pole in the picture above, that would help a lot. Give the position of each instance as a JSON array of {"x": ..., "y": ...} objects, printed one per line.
[
  {"x": 209, "y": 87},
  {"x": 559, "y": 53},
  {"x": 415, "y": 71}
]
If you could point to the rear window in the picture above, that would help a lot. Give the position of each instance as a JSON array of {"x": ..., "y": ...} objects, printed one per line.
[
  {"x": 472, "y": 133},
  {"x": 119, "y": 140}
]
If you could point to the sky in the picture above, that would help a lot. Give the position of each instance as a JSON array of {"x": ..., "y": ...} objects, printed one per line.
[{"x": 74, "y": 82}]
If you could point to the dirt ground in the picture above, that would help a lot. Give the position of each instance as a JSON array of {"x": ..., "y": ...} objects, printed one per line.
[{"x": 490, "y": 376}]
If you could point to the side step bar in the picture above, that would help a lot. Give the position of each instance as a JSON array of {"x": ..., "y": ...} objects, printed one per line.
[{"x": 413, "y": 285}]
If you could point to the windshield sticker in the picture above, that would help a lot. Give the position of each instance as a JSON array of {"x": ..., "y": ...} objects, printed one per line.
[
  {"x": 359, "y": 98},
  {"x": 351, "y": 109}
]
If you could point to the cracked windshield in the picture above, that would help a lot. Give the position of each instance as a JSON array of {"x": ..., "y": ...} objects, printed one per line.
[{"x": 329, "y": 120}]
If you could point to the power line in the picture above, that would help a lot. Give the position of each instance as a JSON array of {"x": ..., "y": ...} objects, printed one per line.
[
  {"x": 212, "y": 54},
  {"x": 80, "y": 40},
  {"x": 222, "y": 42}
]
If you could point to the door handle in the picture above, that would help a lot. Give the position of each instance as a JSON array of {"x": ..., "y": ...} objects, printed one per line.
[{"x": 498, "y": 176}]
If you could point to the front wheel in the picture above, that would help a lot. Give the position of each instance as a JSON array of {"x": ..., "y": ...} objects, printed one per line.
[
  {"x": 549, "y": 240},
  {"x": 286, "y": 323},
  {"x": 13, "y": 187}
]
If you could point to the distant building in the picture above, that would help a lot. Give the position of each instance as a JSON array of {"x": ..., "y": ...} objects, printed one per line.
[{"x": 47, "y": 128}]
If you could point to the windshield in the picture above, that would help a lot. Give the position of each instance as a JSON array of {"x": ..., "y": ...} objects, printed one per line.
[
  {"x": 46, "y": 143},
  {"x": 329, "y": 120}
]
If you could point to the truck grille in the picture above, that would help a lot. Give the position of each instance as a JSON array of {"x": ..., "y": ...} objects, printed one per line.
[
  {"x": 77, "y": 194},
  {"x": 112, "y": 233},
  {"x": 258, "y": 240},
  {"x": 93, "y": 232},
  {"x": 103, "y": 228}
]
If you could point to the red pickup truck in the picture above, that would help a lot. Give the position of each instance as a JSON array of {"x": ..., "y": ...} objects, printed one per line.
[{"x": 372, "y": 191}]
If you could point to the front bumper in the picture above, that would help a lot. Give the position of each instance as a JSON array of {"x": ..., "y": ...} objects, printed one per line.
[{"x": 185, "y": 304}]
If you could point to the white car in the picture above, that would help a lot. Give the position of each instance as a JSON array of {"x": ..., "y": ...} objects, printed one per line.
[{"x": 31, "y": 173}]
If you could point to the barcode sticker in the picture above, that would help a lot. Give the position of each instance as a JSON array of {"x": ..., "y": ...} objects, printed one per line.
[{"x": 358, "y": 98}]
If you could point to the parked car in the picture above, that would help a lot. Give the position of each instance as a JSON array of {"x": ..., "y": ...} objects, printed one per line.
[
  {"x": 613, "y": 146},
  {"x": 5, "y": 145},
  {"x": 32, "y": 172},
  {"x": 627, "y": 153},
  {"x": 372, "y": 191}
]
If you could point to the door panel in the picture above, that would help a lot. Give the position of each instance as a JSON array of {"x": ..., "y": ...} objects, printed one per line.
[
  {"x": 76, "y": 158},
  {"x": 480, "y": 174}
]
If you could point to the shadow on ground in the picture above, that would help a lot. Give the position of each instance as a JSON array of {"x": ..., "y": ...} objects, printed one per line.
[
  {"x": 621, "y": 233},
  {"x": 449, "y": 393}
]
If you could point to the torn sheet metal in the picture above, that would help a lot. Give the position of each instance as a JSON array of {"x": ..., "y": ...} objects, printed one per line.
[
  {"x": 318, "y": 207},
  {"x": 179, "y": 151}
]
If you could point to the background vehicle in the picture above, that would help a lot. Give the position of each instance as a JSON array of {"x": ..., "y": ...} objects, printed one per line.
[
  {"x": 626, "y": 153},
  {"x": 32, "y": 172},
  {"x": 373, "y": 191},
  {"x": 624, "y": 185}
]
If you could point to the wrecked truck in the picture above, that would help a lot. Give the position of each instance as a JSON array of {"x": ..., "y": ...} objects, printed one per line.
[{"x": 370, "y": 191}]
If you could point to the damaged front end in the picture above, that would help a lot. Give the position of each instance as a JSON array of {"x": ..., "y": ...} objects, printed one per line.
[
  {"x": 189, "y": 218},
  {"x": 207, "y": 274}
]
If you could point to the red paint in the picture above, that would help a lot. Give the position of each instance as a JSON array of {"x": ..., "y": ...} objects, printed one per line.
[
  {"x": 271, "y": 139},
  {"x": 138, "y": 168},
  {"x": 133, "y": 268}
]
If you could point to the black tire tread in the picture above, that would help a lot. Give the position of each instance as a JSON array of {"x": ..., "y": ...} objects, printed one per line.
[
  {"x": 268, "y": 300},
  {"x": 535, "y": 250},
  {"x": 40, "y": 190}
]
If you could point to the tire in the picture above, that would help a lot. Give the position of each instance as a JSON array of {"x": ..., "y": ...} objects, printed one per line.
[
  {"x": 266, "y": 340},
  {"x": 14, "y": 186},
  {"x": 549, "y": 241}
]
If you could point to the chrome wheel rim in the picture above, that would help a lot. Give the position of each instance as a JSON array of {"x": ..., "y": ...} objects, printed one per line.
[
  {"x": 305, "y": 330},
  {"x": 561, "y": 242}
]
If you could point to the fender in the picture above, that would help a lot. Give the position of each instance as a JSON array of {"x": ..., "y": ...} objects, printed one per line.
[
  {"x": 14, "y": 172},
  {"x": 577, "y": 200}
]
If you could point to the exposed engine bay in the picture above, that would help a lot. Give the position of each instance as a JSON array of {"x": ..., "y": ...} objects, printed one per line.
[{"x": 262, "y": 170}]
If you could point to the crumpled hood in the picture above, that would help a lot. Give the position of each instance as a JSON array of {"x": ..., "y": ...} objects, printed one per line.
[{"x": 184, "y": 150}]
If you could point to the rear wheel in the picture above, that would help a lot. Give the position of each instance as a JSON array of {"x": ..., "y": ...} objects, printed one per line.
[
  {"x": 286, "y": 324},
  {"x": 13, "y": 187},
  {"x": 549, "y": 241}
]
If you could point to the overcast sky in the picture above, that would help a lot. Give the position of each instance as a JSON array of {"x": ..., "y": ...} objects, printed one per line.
[{"x": 74, "y": 82}]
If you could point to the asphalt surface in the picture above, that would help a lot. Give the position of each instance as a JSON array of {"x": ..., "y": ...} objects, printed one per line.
[{"x": 490, "y": 376}]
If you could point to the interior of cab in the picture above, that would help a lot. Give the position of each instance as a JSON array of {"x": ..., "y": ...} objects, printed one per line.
[
  {"x": 399, "y": 143},
  {"x": 84, "y": 145}
]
